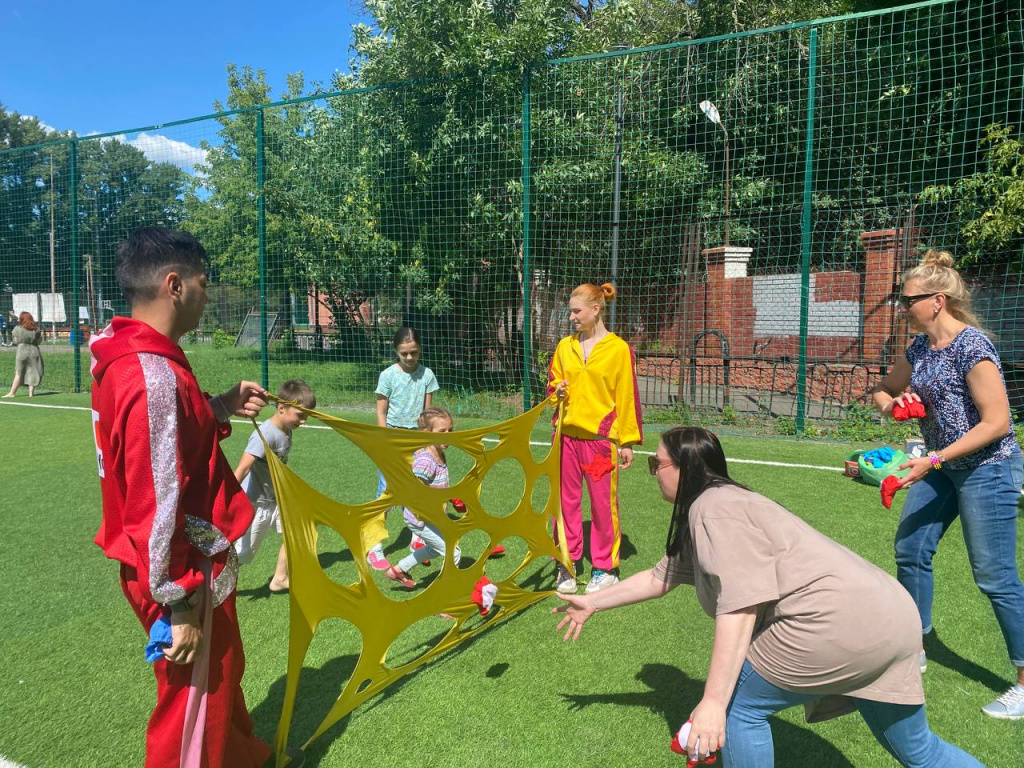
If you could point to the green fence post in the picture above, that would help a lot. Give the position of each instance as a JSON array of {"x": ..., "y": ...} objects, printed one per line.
[
  {"x": 261, "y": 208},
  {"x": 527, "y": 314},
  {"x": 75, "y": 266},
  {"x": 805, "y": 238}
]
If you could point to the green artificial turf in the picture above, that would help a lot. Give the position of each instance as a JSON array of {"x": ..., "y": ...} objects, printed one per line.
[{"x": 75, "y": 691}]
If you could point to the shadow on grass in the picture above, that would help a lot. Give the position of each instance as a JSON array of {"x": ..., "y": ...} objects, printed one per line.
[
  {"x": 940, "y": 653},
  {"x": 261, "y": 593},
  {"x": 320, "y": 687},
  {"x": 673, "y": 695}
]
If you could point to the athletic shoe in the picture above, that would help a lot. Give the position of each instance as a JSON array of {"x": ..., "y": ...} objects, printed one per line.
[
  {"x": 397, "y": 574},
  {"x": 922, "y": 660},
  {"x": 1009, "y": 706},
  {"x": 600, "y": 580},
  {"x": 566, "y": 582},
  {"x": 377, "y": 560}
]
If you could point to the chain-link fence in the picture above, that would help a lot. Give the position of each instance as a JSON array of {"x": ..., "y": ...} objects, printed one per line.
[{"x": 754, "y": 198}]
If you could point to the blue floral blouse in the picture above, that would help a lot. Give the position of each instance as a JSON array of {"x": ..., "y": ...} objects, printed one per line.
[{"x": 939, "y": 376}]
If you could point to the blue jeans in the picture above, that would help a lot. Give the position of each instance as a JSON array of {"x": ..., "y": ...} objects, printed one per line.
[
  {"x": 433, "y": 546},
  {"x": 985, "y": 499},
  {"x": 901, "y": 728}
]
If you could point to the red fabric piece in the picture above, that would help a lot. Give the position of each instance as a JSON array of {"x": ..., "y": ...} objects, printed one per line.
[
  {"x": 478, "y": 595},
  {"x": 133, "y": 427},
  {"x": 228, "y": 740},
  {"x": 889, "y": 487},
  {"x": 911, "y": 410},
  {"x": 460, "y": 506},
  {"x": 678, "y": 746},
  {"x": 599, "y": 466}
]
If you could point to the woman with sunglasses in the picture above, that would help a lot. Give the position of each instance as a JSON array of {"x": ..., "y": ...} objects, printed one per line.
[
  {"x": 973, "y": 469},
  {"x": 799, "y": 619}
]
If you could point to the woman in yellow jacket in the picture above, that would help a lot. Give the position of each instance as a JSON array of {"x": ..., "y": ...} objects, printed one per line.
[{"x": 596, "y": 372}]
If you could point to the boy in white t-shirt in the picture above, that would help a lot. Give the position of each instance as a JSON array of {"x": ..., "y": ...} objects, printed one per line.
[{"x": 254, "y": 474}]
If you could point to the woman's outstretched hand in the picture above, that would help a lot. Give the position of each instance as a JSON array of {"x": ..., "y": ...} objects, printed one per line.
[{"x": 577, "y": 610}]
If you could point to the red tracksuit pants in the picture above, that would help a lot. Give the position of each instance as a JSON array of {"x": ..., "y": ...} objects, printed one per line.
[
  {"x": 228, "y": 741},
  {"x": 595, "y": 461}
]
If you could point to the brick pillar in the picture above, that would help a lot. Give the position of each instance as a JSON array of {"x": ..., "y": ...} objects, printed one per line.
[
  {"x": 726, "y": 263},
  {"x": 884, "y": 262}
]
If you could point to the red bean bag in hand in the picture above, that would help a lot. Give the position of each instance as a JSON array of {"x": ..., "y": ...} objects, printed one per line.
[
  {"x": 910, "y": 410},
  {"x": 889, "y": 486}
]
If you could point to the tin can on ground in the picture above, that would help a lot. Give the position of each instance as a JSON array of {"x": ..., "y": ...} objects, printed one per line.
[{"x": 852, "y": 469}]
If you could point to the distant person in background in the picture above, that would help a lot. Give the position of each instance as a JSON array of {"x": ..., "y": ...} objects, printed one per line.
[
  {"x": 12, "y": 323},
  {"x": 28, "y": 364},
  {"x": 5, "y": 332}
]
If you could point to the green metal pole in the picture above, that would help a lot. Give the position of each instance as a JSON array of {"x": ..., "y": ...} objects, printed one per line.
[
  {"x": 262, "y": 218},
  {"x": 75, "y": 266},
  {"x": 527, "y": 313},
  {"x": 805, "y": 239}
]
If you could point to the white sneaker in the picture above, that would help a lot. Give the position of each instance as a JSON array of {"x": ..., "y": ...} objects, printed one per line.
[
  {"x": 600, "y": 580},
  {"x": 1009, "y": 706},
  {"x": 566, "y": 582}
]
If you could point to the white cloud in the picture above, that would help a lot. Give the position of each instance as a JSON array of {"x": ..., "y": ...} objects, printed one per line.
[
  {"x": 42, "y": 125},
  {"x": 161, "y": 149}
]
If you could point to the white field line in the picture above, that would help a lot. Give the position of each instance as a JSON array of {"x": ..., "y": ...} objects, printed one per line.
[
  {"x": 486, "y": 440},
  {"x": 5, "y": 763}
]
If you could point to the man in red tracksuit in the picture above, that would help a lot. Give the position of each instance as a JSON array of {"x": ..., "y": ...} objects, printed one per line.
[{"x": 171, "y": 505}]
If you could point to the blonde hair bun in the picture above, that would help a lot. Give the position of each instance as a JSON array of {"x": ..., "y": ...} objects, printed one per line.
[
  {"x": 934, "y": 257},
  {"x": 609, "y": 291}
]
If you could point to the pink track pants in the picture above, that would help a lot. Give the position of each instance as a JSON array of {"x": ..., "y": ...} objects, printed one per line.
[{"x": 597, "y": 462}]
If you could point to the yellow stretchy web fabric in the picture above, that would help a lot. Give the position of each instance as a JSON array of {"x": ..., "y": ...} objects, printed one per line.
[{"x": 379, "y": 619}]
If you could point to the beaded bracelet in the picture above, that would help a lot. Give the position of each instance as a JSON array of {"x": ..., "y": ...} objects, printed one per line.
[{"x": 935, "y": 459}]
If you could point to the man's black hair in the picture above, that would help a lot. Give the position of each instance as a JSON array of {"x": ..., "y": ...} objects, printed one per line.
[{"x": 149, "y": 254}]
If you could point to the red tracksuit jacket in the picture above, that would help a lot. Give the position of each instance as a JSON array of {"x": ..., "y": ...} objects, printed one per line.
[{"x": 169, "y": 496}]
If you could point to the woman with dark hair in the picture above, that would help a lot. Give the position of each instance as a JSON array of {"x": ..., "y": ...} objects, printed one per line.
[
  {"x": 799, "y": 619},
  {"x": 28, "y": 363}
]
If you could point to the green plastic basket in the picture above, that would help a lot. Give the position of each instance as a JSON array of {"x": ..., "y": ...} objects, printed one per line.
[{"x": 869, "y": 473}]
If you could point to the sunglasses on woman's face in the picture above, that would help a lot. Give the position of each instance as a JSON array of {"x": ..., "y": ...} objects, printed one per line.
[
  {"x": 654, "y": 466},
  {"x": 908, "y": 301}
]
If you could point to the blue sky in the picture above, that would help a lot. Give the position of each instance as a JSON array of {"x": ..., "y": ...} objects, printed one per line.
[{"x": 104, "y": 66}]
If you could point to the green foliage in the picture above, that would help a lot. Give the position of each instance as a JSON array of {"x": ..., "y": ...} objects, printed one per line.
[
  {"x": 221, "y": 339},
  {"x": 119, "y": 189},
  {"x": 784, "y": 425},
  {"x": 862, "y": 423},
  {"x": 729, "y": 415},
  {"x": 989, "y": 202}
]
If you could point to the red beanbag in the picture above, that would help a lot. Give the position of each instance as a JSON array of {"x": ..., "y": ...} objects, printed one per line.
[
  {"x": 889, "y": 486},
  {"x": 911, "y": 410}
]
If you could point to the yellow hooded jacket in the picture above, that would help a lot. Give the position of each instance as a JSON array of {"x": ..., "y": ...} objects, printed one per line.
[{"x": 603, "y": 399}]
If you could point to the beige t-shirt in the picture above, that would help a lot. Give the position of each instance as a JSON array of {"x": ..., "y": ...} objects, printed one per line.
[{"x": 830, "y": 623}]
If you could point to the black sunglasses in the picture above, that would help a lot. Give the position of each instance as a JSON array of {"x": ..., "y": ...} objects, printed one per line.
[
  {"x": 653, "y": 466},
  {"x": 908, "y": 301}
]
